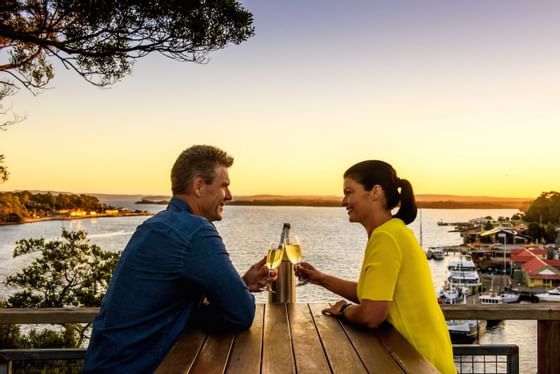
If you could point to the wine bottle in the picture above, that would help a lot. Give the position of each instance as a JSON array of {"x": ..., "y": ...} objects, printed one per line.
[
  {"x": 284, "y": 286},
  {"x": 285, "y": 233}
]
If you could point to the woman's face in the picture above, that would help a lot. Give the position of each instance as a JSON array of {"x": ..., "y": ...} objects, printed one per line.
[{"x": 357, "y": 201}]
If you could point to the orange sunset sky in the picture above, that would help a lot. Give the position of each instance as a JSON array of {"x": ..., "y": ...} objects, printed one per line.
[{"x": 461, "y": 97}]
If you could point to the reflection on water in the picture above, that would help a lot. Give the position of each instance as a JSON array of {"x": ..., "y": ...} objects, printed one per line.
[{"x": 328, "y": 241}]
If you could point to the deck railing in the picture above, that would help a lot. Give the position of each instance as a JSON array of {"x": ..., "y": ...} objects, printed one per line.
[{"x": 547, "y": 316}]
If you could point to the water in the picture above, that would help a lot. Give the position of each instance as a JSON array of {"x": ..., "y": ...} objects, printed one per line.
[{"x": 328, "y": 241}]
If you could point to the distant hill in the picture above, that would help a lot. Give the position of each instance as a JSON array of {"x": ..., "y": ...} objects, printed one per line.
[
  {"x": 423, "y": 201},
  {"x": 432, "y": 201}
]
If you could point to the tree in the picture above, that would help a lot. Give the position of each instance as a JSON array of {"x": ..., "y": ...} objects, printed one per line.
[
  {"x": 101, "y": 39},
  {"x": 3, "y": 170},
  {"x": 67, "y": 272},
  {"x": 545, "y": 209}
]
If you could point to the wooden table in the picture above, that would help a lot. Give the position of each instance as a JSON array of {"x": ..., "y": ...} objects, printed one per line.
[{"x": 295, "y": 338}]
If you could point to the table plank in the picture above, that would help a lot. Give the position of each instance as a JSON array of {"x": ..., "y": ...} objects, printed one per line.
[
  {"x": 402, "y": 351},
  {"x": 308, "y": 351},
  {"x": 246, "y": 352},
  {"x": 214, "y": 355},
  {"x": 183, "y": 353},
  {"x": 340, "y": 352},
  {"x": 277, "y": 350},
  {"x": 371, "y": 351}
]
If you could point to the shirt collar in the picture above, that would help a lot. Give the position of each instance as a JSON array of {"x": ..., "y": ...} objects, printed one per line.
[{"x": 178, "y": 204}]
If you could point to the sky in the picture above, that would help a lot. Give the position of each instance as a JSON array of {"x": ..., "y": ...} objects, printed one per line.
[{"x": 461, "y": 97}]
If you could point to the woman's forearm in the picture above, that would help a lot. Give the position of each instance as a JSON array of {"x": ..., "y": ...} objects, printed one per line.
[{"x": 342, "y": 287}]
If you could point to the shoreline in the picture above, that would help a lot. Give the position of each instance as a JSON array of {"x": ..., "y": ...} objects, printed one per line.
[
  {"x": 451, "y": 205},
  {"x": 66, "y": 218},
  {"x": 447, "y": 205}
]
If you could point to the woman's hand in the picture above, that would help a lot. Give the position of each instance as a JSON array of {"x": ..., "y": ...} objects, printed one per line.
[
  {"x": 336, "y": 309},
  {"x": 307, "y": 272}
]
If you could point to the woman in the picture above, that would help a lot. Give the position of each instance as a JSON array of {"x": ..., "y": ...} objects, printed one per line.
[{"x": 395, "y": 281}]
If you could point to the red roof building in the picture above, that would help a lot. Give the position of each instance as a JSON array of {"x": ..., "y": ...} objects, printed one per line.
[{"x": 541, "y": 273}]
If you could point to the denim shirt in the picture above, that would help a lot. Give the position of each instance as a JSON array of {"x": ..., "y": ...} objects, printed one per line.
[{"x": 172, "y": 262}]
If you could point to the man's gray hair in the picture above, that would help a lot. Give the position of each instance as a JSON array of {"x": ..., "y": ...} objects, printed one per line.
[{"x": 197, "y": 161}]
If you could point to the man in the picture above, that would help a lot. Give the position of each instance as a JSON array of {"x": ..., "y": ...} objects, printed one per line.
[{"x": 175, "y": 271}]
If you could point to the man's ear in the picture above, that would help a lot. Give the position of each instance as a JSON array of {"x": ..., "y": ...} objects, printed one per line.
[{"x": 197, "y": 186}]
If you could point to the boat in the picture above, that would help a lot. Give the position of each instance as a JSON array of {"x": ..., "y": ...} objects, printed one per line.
[
  {"x": 462, "y": 274},
  {"x": 509, "y": 297},
  {"x": 550, "y": 295},
  {"x": 503, "y": 298},
  {"x": 493, "y": 298},
  {"x": 436, "y": 253},
  {"x": 465, "y": 331},
  {"x": 461, "y": 331},
  {"x": 449, "y": 295}
]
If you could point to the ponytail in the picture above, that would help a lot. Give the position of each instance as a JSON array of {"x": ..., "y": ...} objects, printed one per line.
[{"x": 408, "y": 209}]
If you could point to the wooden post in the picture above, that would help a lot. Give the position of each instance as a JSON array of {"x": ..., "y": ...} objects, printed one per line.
[
  {"x": 548, "y": 341},
  {"x": 6, "y": 367}
]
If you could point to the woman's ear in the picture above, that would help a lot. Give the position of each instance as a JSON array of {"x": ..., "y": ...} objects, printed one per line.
[{"x": 376, "y": 192}]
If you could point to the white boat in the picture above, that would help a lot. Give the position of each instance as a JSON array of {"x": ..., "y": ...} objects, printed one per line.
[
  {"x": 493, "y": 298},
  {"x": 503, "y": 298},
  {"x": 550, "y": 295},
  {"x": 462, "y": 274},
  {"x": 465, "y": 331},
  {"x": 509, "y": 297},
  {"x": 436, "y": 253},
  {"x": 449, "y": 295}
]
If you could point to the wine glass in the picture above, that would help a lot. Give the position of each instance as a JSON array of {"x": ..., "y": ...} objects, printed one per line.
[
  {"x": 273, "y": 260},
  {"x": 294, "y": 253}
]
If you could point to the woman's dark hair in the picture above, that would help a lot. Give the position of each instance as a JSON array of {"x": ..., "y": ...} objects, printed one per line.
[{"x": 371, "y": 172}]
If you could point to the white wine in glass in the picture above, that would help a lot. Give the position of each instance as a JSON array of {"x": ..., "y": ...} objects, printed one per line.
[
  {"x": 273, "y": 260},
  {"x": 294, "y": 253}
]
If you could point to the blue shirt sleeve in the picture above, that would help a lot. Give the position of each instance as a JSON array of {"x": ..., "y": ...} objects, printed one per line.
[{"x": 231, "y": 304}]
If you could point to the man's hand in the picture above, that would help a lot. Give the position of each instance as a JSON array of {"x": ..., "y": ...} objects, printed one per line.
[{"x": 258, "y": 275}]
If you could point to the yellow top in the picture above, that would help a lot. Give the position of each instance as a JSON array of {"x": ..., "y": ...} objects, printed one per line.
[{"x": 395, "y": 269}]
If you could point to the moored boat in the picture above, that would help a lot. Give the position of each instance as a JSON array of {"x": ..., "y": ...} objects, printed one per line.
[
  {"x": 550, "y": 295},
  {"x": 436, "y": 253},
  {"x": 450, "y": 295},
  {"x": 493, "y": 298},
  {"x": 462, "y": 274},
  {"x": 465, "y": 331}
]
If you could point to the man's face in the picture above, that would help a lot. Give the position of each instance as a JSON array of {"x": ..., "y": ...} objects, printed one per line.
[{"x": 214, "y": 195}]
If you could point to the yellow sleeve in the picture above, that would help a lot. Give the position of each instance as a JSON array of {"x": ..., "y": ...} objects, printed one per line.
[{"x": 381, "y": 268}]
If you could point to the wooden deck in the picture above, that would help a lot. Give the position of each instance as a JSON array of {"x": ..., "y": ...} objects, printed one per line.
[{"x": 295, "y": 338}]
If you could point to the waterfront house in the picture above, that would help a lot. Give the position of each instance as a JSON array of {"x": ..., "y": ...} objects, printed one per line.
[
  {"x": 541, "y": 273},
  {"x": 499, "y": 234}
]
